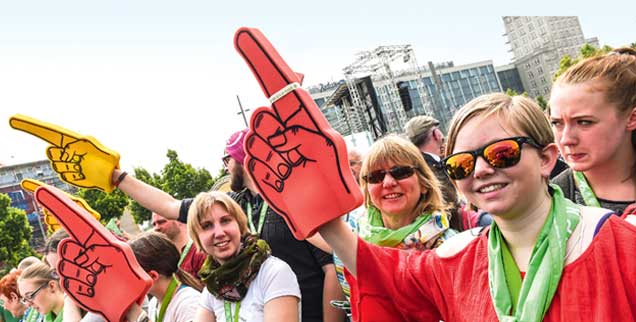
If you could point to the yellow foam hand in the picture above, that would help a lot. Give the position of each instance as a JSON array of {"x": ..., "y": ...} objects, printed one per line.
[
  {"x": 31, "y": 184},
  {"x": 79, "y": 160}
]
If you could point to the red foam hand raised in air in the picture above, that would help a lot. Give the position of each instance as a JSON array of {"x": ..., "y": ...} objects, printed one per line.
[
  {"x": 297, "y": 161},
  {"x": 97, "y": 270}
]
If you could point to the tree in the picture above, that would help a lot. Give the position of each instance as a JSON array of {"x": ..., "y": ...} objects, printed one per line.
[
  {"x": 181, "y": 180},
  {"x": 139, "y": 213},
  {"x": 586, "y": 51},
  {"x": 511, "y": 92},
  {"x": 109, "y": 205},
  {"x": 542, "y": 102},
  {"x": 15, "y": 236}
]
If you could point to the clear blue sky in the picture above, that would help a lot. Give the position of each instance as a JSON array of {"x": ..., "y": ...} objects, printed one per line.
[{"x": 145, "y": 76}]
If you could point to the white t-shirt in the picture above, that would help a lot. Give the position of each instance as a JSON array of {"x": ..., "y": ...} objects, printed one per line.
[
  {"x": 182, "y": 307},
  {"x": 274, "y": 279}
]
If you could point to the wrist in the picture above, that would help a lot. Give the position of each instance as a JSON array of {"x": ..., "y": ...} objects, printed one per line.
[{"x": 120, "y": 176}]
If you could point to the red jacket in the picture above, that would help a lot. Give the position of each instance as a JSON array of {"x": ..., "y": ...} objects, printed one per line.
[{"x": 394, "y": 285}]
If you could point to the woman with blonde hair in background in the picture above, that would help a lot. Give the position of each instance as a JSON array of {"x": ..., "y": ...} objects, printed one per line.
[{"x": 40, "y": 289}]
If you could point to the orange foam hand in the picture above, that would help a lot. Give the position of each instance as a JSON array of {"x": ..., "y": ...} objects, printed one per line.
[
  {"x": 79, "y": 160},
  {"x": 97, "y": 270},
  {"x": 297, "y": 161}
]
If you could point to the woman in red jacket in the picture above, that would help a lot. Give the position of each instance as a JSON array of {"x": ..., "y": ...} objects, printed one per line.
[{"x": 543, "y": 259}]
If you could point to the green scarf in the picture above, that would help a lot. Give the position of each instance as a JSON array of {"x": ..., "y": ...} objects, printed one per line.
[
  {"x": 49, "y": 317},
  {"x": 536, "y": 291},
  {"x": 371, "y": 228},
  {"x": 584, "y": 188},
  {"x": 231, "y": 280}
]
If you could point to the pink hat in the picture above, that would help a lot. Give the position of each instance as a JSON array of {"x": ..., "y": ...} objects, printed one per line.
[{"x": 234, "y": 146}]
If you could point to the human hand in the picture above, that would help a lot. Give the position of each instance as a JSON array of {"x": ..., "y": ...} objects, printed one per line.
[
  {"x": 297, "y": 161},
  {"x": 31, "y": 184},
  {"x": 79, "y": 160},
  {"x": 97, "y": 270}
]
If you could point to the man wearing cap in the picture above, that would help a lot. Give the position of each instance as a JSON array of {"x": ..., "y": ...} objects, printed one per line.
[
  {"x": 424, "y": 132},
  {"x": 313, "y": 267}
]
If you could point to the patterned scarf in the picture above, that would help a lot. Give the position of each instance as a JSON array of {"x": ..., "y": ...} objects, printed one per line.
[
  {"x": 529, "y": 300},
  {"x": 231, "y": 280},
  {"x": 420, "y": 234}
]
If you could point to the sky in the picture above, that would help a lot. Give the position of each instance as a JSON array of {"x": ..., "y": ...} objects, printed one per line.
[{"x": 147, "y": 76}]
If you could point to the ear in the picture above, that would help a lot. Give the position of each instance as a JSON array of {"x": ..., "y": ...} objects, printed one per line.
[
  {"x": 631, "y": 120},
  {"x": 153, "y": 275},
  {"x": 548, "y": 156}
]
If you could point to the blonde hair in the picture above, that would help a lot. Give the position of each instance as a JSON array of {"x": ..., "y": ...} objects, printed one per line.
[
  {"x": 400, "y": 151},
  {"x": 40, "y": 272},
  {"x": 200, "y": 207},
  {"x": 516, "y": 112}
]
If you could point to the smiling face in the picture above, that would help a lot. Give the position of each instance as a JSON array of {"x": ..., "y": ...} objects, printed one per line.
[
  {"x": 504, "y": 192},
  {"x": 589, "y": 131},
  {"x": 220, "y": 234},
  {"x": 395, "y": 197}
]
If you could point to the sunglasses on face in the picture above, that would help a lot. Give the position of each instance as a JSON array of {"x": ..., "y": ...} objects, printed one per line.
[
  {"x": 398, "y": 173},
  {"x": 226, "y": 159},
  {"x": 500, "y": 154},
  {"x": 30, "y": 296}
]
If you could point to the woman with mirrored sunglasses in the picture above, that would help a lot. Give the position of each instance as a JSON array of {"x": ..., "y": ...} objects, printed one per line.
[
  {"x": 593, "y": 115},
  {"x": 403, "y": 201},
  {"x": 40, "y": 289},
  {"x": 541, "y": 260}
]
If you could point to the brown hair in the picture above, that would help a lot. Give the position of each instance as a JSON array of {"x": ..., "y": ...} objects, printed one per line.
[
  {"x": 400, "y": 151},
  {"x": 203, "y": 203},
  {"x": 155, "y": 252},
  {"x": 9, "y": 283},
  {"x": 615, "y": 71}
]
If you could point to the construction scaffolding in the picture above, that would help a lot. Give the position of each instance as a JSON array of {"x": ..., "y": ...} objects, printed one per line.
[{"x": 377, "y": 64}]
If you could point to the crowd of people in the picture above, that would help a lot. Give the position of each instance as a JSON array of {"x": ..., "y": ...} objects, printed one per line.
[{"x": 472, "y": 226}]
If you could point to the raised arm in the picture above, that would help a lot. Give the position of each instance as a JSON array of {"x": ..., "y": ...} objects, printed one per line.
[{"x": 151, "y": 198}]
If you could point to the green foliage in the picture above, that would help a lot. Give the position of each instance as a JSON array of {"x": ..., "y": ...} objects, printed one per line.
[
  {"x": 511, "y": 92},
  {"x": 15, "y": 235},
  {"x": 586, "y": 51},
  {"x": 181, "y": 180},
  {"x": 109, "y": 205},
  {"x": 139, "y": 213},
  {"x": 542, "y": 102},
  {"x": 632, "y": 45}
]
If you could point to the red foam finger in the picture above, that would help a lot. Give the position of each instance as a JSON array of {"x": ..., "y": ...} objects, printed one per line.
[
  {"x": 118, "y": 282},
  {"x": 258, "y": 149},
  {"x": 70, "y": 270},
  {"x": 320, "y": 186}
]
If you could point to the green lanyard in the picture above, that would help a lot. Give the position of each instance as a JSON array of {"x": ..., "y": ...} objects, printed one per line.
[
  {"x": 586, "y": 191},
  {"x": 185, "y": 252},
  {"x": 49, "y": 317},
  {"x": 261, "y": 219},
  {"x": 31, "y": 316},
  {"x": 228, "y": 311},
  {"x": 172, "y": 287}
]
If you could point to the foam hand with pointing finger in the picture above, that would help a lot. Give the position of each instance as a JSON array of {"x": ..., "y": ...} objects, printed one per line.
[
  {"x": 79, "y": 160},
  {"x": 31, "y": 185},
  {"x": 297, "y": 161},
  {"x": 97, "y": 270}
]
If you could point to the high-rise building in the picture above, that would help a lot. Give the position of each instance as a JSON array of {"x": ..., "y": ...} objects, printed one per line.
[
  {"x": 10, "y": 178},
  {"x": 509, "y": 78},
  {"x": 538, "y": 44},
  {"x": 446, "y": 88}
]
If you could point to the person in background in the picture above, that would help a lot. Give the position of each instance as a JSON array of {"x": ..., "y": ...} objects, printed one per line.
[
  {"x": 355, "y": 162},
  {"x": 424, "y": 132},
  {"x": 190, "y": 259},
  {"x": 593, "y": 113},
  {"x": 40, "y": 289},
  {"x": 11, "y": 304},
  {"x": 243, "y": 281}
]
